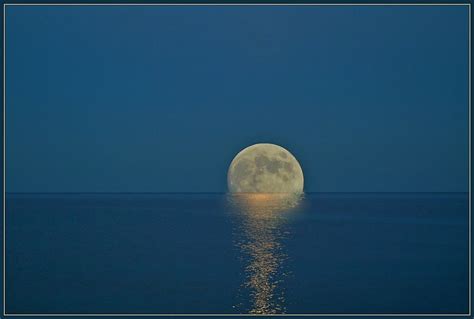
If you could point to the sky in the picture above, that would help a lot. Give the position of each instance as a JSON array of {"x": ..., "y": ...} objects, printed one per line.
[{"x": 161, "y": 98}]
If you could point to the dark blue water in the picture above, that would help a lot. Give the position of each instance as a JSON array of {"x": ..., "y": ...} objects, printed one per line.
[{"x": 203, "y": 253}]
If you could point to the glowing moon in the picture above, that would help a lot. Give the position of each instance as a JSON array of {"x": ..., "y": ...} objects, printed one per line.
[{"x": 265, "y": 168}]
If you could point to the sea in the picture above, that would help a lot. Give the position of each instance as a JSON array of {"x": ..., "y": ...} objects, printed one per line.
[{"x": 213, "y": 253}]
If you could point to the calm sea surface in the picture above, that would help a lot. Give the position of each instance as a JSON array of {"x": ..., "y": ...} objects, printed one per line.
[{"x": 215, "y": 253}]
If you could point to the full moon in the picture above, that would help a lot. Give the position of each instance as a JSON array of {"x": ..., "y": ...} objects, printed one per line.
[{"x": 265, "y": 168}]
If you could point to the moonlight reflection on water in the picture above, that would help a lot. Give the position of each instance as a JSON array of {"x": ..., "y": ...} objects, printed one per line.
[{"x": 260, "y": 230}]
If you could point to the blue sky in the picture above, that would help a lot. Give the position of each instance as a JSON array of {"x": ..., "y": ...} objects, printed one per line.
[{"x": 161, "y": 98}]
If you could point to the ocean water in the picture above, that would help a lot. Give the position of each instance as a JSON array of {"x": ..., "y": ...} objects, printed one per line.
[{"x": 216, "y": 253}]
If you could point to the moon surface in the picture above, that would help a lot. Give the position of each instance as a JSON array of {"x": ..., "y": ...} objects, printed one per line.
[{"x": 265, "y": 168}]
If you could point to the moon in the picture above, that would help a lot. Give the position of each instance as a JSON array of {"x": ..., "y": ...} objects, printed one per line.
[{"x": 265, "y": 168}]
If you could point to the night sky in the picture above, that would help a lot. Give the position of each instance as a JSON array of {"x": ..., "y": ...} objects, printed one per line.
[{"x": 161, "y": 98}]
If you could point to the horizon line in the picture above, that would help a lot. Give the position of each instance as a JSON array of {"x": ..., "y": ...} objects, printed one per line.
[{"x": 186, "y": 192}]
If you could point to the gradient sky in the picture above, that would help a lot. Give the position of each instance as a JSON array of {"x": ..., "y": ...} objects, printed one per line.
[{"x": 161, "y": 98}]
